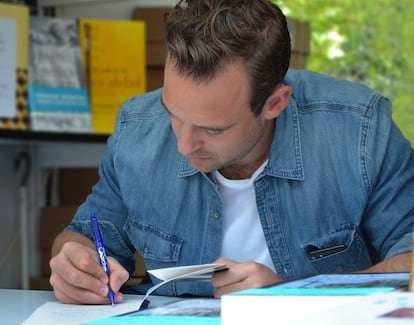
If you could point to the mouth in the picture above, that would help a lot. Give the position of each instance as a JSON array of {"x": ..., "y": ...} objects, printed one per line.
[{"x": 198, "y": 159}]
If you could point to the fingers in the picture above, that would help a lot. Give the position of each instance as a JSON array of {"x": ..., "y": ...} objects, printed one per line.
[
  {"x": 240, "y": 276},
  {"x": 77, "y": 277}
]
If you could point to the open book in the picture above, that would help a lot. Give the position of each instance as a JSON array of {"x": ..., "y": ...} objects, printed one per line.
[
  {"x": 200, "y": 272},
  {"x": 56, "y": 313},
  {"x": 188, "y": 273}
]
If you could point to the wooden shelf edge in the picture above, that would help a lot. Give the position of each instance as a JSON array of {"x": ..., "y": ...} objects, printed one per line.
[{"x": 6, "y": 134}]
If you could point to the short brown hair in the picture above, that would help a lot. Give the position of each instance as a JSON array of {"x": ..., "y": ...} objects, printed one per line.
[{"x": 203, "y": 35}]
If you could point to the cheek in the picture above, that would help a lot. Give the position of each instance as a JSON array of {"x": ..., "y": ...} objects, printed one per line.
[
  {"x": 228, "y": 144},
  {"x": 175, "y": 124}
]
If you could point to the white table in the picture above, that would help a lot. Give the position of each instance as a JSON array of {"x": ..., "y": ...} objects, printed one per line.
[{"x": 17, "y": 305}]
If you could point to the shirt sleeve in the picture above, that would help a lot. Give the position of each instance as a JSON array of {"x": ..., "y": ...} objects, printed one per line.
[
  {"x": 387, "y": 163},
  {"x": 106, "y": 202}
]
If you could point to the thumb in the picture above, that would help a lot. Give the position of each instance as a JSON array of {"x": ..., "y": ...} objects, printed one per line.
[{"x": 119, "y": 275}]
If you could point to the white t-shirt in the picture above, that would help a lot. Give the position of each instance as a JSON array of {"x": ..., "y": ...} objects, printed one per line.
[{"x": 243, "y": 238}]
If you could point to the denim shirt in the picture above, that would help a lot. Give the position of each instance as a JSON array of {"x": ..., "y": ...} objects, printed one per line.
[{"x": 339, "y": 173}]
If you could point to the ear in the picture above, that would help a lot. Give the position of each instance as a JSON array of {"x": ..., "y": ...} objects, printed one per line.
[{"x": 277, "y": 102}]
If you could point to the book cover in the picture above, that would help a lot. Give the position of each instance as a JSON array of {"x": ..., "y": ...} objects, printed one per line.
[
  {"x": 382, "y": 308},
  {"x": 14, "y": 27},
  {"x": 114, "y": 58},
  {"x": 58, "y": 96}
]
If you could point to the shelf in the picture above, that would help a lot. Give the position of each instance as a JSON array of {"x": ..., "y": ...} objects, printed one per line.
[
  {"x": 35, "y": 136},
  {"x": 45, "y": 3}
]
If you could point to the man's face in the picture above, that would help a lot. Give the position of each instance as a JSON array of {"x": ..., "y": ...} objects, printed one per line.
[{"x": 212, "y": 120}]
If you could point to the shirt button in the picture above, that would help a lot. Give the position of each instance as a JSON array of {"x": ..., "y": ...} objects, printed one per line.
[
  {"x": 216, "y": 215},
  {"x": 147, "y": 250},
  {"x": 340, "y": 269}
]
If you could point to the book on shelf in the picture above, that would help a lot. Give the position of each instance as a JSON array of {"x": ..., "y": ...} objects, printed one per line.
[
  {"x": 296, "y": 300},
  {"x": 14, "y": 27},
  {"x": 58, "y": 95},
  {"x": 113, "y": 53}
]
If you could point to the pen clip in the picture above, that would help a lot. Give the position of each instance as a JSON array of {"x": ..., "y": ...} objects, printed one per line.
[{"x": 327, "y": 251}]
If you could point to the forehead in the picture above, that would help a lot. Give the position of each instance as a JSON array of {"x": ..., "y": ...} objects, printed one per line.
[{"x": 221, "y": 98}]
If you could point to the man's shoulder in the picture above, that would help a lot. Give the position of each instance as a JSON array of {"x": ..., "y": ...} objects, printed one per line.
[
  {"x": 312, "y": 89},
  {"x": 308, "y": 78},
  {"x": 144, "y": 106}
]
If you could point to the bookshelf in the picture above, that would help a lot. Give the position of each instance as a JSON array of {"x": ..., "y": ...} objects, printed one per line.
[
  {"x": 25, "y": 159},
  {"x": 37, "y": 136},
  {"x": 39, "y": 152}
]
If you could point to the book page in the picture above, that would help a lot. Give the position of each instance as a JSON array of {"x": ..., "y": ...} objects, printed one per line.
[
  {"x": 200, "y": 272},
  {"x": 185, "y": 272}
]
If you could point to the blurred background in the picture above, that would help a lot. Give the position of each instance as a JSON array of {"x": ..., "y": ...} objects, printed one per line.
[{"x": 366, "y": 41}]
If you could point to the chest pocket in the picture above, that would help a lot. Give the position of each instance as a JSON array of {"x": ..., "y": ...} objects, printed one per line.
[
  {"x": 339, "y": 252},
  {"x": 158, "y": 248}
]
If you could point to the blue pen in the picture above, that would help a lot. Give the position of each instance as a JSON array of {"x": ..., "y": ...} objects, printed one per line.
[{"x": 101, "y": 252}]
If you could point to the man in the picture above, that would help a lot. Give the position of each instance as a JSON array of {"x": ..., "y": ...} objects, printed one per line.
[{"x": 277, "y": 175}]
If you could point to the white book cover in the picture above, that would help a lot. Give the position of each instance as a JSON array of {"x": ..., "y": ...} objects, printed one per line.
[
  {"x": 299, "y": 300},
  {"x": 392, "y": 308},
  {"x": 58, "y": 95}
]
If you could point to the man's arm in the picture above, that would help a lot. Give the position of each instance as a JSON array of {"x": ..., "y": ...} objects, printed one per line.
[
  {"x": 397, "y": 263},
  {"x": 76, "y": 275},
  {"x": 252, "y": 275}
]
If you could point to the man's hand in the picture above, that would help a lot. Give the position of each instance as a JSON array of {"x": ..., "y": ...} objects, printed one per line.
[
  {"x": 76, "y": 275},
  {"x": 241, "y": 276}
]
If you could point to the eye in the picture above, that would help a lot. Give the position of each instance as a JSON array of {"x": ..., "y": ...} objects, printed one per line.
[{"x": 213, "y": 131}]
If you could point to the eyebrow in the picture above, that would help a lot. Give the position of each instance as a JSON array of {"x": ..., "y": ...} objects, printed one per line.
[{"x": 203, "y": 127}]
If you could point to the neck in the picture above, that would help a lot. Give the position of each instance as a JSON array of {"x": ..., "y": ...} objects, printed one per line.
[{"x": 241, "y": 171}]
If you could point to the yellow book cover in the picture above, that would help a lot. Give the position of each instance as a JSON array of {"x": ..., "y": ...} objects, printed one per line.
[
  {"x": 114, "y": 58},
  {"x": 14, "y": 49}
]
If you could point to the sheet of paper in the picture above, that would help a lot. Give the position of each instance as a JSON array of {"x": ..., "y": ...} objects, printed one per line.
[{"x": 56, "y": 313}]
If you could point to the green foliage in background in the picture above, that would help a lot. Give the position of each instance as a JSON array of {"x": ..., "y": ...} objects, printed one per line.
[{"x": 368, "y": 41}]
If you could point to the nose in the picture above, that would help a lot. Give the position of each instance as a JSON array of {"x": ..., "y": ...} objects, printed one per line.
[{"x": 187, "y": 141}]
